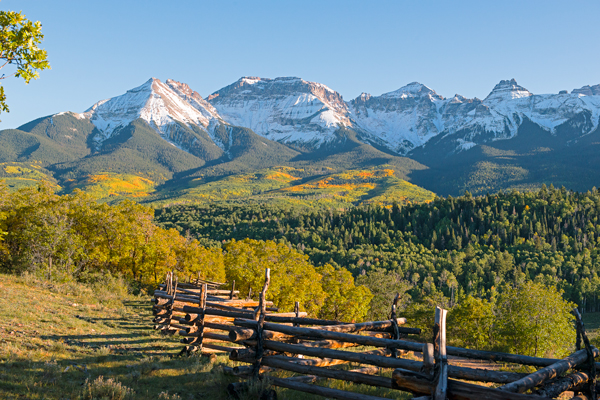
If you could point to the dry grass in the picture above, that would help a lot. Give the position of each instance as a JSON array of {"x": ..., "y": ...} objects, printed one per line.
[{"x": 72, "y": 341}]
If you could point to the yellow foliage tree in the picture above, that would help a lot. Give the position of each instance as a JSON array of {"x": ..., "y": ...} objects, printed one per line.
[
  {"x": 293, "y": 277},
  {"x": 194, "y": 260}
]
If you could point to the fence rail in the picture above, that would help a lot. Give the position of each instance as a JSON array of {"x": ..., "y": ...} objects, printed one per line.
[{"x": 209, "y": 318}]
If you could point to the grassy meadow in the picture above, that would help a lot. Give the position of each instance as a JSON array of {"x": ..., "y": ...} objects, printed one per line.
[{"x": 74, "y": 341}]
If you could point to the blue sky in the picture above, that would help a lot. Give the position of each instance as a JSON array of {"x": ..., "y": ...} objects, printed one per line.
[{"x": 100, "y": 49}]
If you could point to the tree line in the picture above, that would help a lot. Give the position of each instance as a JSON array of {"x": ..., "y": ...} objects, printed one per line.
[
  {"x": 455, "y": 246},
  {"x": 72, "y": 237}
]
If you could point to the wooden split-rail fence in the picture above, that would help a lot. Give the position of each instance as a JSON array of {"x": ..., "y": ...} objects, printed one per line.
[{"x": 210, "y": 319}]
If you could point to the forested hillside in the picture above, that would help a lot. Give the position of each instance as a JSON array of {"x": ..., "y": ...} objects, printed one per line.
[
  {"x": 488, "y": 259},
  {"x": 452, "y": 247},
  {"x": 72, "y": 238}
]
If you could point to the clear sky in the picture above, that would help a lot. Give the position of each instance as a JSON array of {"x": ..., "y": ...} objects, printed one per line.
[{"x": 100, "y": 49}]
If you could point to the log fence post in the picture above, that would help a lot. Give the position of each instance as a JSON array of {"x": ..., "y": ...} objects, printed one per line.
[
  {"x": 394, "y": 319},
  {"x": 581, "y": 335},
  {"x": 232, "y": 290},
  {"x": 297, "y": 312},
  {"x": 171, "y": 304},
  {"x": 200, "y": 320},
  {"x": 428, "y": 359},
  {"x": 261, "y": 310},
  {"x": 441, "y": 360}
]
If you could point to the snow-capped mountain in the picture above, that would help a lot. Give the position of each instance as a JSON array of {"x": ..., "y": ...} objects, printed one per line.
[
  {"x": 289, "y": 110},
  {"x": 292, "y": 110},
  {"x": 162, "y": 105},
  {"x": 411, "y": 116},
  {"x": 403, "y": 119}
]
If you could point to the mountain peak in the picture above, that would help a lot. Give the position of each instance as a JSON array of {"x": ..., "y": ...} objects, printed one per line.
[
  {"x": 159, "y": 104},
  {"x": 588, "y": 90},
  {"x": 507, "y": 90},
  {"x": 413, "y": 89}
]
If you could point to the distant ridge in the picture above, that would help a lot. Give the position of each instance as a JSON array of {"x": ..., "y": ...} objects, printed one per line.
[{"x": 168, "y": 134}]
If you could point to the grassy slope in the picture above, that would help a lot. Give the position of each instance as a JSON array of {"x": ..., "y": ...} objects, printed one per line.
[
  {"x": 18, "y": 175},
  {"x": 302, "y": 186},
  {"x": 55, "y": 336}
]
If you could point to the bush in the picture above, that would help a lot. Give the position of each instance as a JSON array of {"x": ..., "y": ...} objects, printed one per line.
[{"x": 108, "y": 389}]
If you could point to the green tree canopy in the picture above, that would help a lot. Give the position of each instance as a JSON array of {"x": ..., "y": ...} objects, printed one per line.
[
  {"x": 384, "y": 285},
  {"x": 534, "y": 319},
  {"x": 19, "y": 40},
  {"x": 345, "y": 301}
]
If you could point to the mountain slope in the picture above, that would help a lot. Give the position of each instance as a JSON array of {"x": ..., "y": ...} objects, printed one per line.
[
  {"x": 289, "y": 110},
  {"x": 531, "y": 158},
  {"x": 163, "y": 136}
]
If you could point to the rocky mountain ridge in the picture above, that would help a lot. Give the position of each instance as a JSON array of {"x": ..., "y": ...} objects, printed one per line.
[{"x": 293, "y": 111}]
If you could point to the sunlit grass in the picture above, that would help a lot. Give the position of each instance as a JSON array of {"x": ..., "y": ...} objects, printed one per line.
[{"x": 71, "y": 341}]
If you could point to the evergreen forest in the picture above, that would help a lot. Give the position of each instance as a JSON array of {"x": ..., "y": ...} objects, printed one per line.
[{"x": 450, "y": 248}]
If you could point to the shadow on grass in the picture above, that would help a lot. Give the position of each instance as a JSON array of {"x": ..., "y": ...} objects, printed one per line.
[{"x": 190, "y": 378}]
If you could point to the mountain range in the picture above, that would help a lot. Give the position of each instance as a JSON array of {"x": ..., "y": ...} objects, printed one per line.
[{"x": 163, "y": 140}]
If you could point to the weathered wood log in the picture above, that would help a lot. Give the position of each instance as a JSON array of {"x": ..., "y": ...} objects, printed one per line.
[
  {"x": 382, "y": 335},
  {"x": 563, "y": 384},
  {"x": 327, "y": 344},
  {"x": 328, "y": 373},
  {"x": 176, "y": 326},
  {"x": 196, "y": 291},
  {"x": 194, "y": 342},
  {"x": 196, "y": 285},
  {"x": 192, "y": 318},
  {"x": 539, "y": 377},
  {"x": 259, "y": 316},
  {"x": 320, "y": 390},
  {"x": 504, "y": 357},
  {"x": 211, "y": 333},
  {"x": 222, "y": 327},
  {"x": 385, "y": 326},
  {"x": 428, "y": 360},
  {"x": 328, "y": 362},
  {"x": 471, "y": 374},
  {"x": 439, "y": 352},
  {"x": 214, "y": 311},
  {"x": 224, "y": 349},
  {"x": 241, "y": 334},
  {"x": 336, "y": 326},
  {"x": 341, "y": 336},
  {"x": 195, "y": 332},
  {"x": 421, "y": 384},
  {"x": 166, "y": 321},
  {"x": 232, "y": 314},
  {"x": 292, "y": 319},
  {"x": 244, "y": 371},
  {"x": 161, "y": 298},
  {"x": 177, "y": 308}
]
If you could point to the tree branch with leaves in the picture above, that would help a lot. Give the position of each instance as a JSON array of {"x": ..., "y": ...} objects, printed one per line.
[{"x": 19, "y": 41}]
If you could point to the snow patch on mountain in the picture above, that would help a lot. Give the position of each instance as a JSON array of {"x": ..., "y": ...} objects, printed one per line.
[
  {"x": 292, "y": 110},
  {"x": 287, "y": 109},
  {"x": 159, "y": 104},
  {"x": 410, "y": 116},
  {"x": 402, "y": 119}
]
